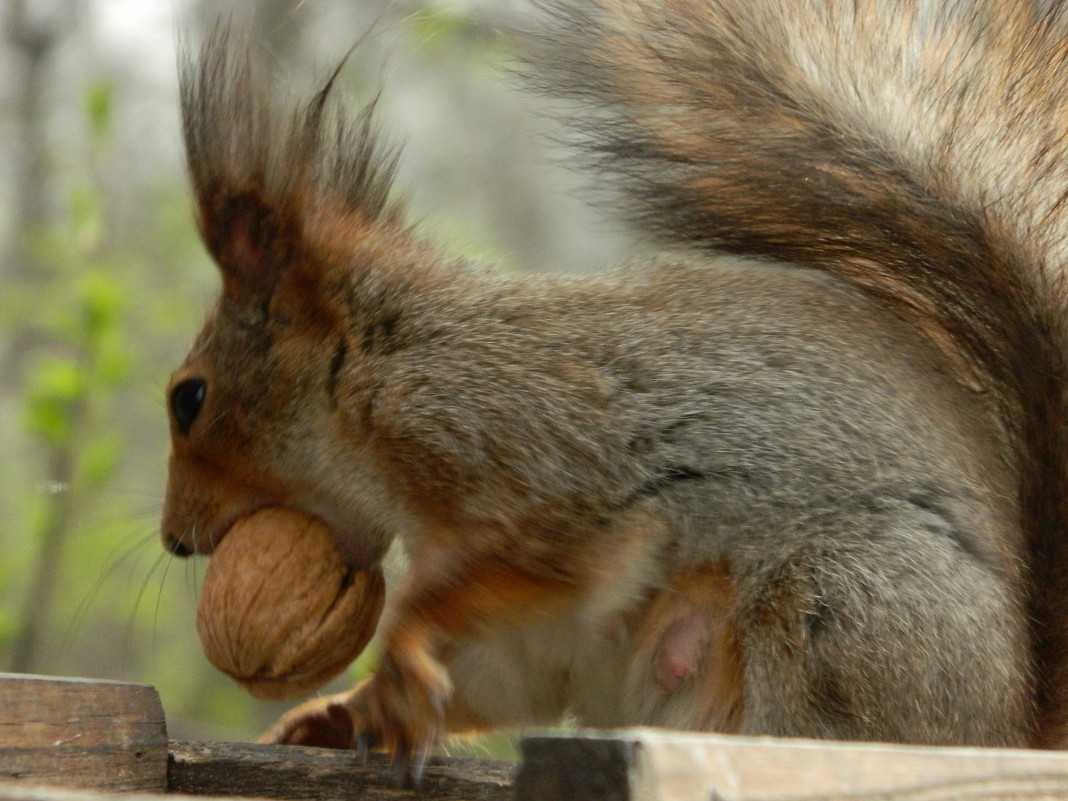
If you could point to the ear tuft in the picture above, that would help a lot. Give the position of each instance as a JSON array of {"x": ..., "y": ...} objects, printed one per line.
[{"x": 260, "y": 176}]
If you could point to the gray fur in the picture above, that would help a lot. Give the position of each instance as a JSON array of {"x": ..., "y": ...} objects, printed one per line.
[{"x": 840, "y": 392}]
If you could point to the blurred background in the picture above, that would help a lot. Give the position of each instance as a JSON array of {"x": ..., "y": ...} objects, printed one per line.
[{"x": 103, "y": 284}]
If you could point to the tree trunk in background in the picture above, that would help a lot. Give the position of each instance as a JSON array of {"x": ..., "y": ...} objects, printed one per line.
[
  {"x": 35, "y": 620},
  {"x": 33, "y": 38}
]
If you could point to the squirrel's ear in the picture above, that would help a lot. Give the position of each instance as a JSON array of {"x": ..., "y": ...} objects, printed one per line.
[
  {"x": 251, "y": 240},
  {"x": 245, "y": 163}
]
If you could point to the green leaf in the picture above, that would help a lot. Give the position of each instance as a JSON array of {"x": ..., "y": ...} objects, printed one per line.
[
  {"x": 103, "y": 301},
  {"x": 56, "y": 385},
  {"x": 99, "y": 110},
  {"x": 100, "y": 459},
  {"x": 86, "y": 218},
  {"x": 113, "y": 361}
]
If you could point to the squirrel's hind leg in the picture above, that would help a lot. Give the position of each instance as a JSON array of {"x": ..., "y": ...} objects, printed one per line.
[{"x": 892, "y": 632}]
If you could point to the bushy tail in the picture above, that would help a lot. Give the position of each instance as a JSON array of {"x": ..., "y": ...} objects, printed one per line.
[{"x": 917, "y": 149}]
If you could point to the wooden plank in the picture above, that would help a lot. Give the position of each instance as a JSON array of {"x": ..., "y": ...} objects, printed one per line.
[
  {"x": 15, "y": 790},
  {"x": 661, "y": 766},
  {"x": 293, "y": 772},
  {"x": 82, "y": 733}
]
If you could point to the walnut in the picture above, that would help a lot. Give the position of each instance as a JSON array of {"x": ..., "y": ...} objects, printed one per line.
[{"x": 280, "y": 611}]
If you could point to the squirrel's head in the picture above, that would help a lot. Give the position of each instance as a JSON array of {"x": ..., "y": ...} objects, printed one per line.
[{"x": 292, "y": 208}]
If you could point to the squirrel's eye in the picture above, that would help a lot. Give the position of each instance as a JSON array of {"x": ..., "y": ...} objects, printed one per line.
[{"x": 186, "y": 401}]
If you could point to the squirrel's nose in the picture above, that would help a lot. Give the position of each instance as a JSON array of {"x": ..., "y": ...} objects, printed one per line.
[{"x": 175, "y": 545}]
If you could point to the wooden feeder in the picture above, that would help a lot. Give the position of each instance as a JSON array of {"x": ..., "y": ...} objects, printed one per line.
[{"x": 82, "y": 740}]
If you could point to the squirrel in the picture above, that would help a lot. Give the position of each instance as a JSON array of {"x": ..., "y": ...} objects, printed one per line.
[{"x": 803, "y": 473}]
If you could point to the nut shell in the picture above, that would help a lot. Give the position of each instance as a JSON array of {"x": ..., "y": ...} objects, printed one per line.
[{"x": 280, "y": 611}]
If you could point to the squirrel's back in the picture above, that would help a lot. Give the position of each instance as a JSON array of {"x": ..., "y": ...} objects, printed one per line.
[{"x": 914, "y": 149}]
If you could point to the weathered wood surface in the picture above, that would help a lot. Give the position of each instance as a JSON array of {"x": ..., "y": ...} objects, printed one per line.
[
  {"x": 659, "y": 766},
  {"x": 94, "y": 738},
  {"x": 290, "y": 772},
  {"x": 15, "y": 790},
  {"x": 82, "y": 733}
]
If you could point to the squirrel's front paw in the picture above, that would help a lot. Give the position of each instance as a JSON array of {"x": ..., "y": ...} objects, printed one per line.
[
  {"x": 400, "y": 710},
  {"x": 322, "y": 722}
]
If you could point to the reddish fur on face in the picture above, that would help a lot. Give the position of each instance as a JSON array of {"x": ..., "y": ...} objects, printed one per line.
[{"x": 208, "y": 492}]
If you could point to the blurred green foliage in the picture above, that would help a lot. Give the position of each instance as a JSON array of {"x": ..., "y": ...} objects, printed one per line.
[
  {"x": 99, "y": 322},
  {"x": 93, "y": 329}
]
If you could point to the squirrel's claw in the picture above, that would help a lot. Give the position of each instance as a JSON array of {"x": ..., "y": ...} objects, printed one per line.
[
  {"x": 408, "y": 767},
  {"x": 363, "y": 744}
]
